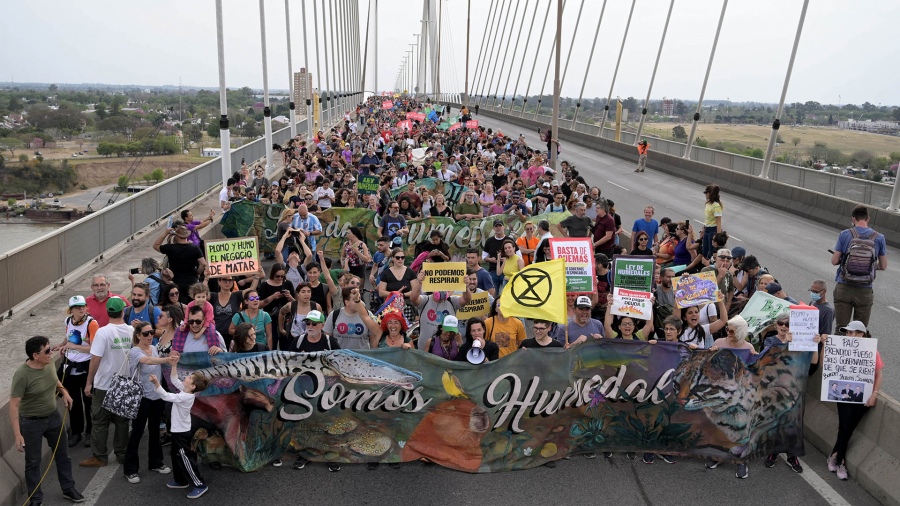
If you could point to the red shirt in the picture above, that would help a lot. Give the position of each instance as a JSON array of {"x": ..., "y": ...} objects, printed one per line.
[
  {"x": 97, "y": 308},
  {"x": 601, "y": 227}
]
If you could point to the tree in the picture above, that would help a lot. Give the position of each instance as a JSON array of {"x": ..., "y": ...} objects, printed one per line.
[
  {"x": 23, "y": 158},
  {"x": 10, "y": 143},
  {"x": 158, "y": 175},
  {"x": 679, "y": 132},
  {"x": 795, "y": 141},
  {"x": 122, "y": 184},
  {"x": 212, "y": 129},
  {"x": 818, "y": 151},
  {"x": 11, "y": 202},
  {"x": 896, "y": 113},
  {"x": 680, "y": 109},
  {"x": 100, "y": 111}
]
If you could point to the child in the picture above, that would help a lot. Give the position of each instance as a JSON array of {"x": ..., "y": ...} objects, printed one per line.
[
  {"x": 200, "y": 294},
  {"x": 184, "y": 459}
]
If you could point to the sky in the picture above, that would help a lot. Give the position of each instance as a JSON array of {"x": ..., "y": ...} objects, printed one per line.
[{"x": 844, "y": 56}]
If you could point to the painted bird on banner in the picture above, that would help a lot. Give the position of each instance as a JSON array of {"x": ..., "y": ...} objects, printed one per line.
[{"x": 537, "y": 291}]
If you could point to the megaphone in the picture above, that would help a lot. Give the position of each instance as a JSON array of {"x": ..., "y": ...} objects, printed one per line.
[{"x": 475, "y": 355}]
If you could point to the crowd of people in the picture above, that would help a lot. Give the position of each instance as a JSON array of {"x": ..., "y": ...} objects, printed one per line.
[{"x": 306, "y": 301}]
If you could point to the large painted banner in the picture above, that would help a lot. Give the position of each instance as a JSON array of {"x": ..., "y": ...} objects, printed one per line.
[
  {"x": 522, "y": 411},
  {"x": 261, "y": 220}
]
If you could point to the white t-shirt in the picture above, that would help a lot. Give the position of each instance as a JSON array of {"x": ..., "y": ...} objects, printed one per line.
[
  {"x": 111, "y": 343},
  {"x": 223, "y": 194},
  {"x": 691, "y": 336},
  {"x": 182, "y": 402},
  {"x": 707, "y": 311},
  {"x": 431, "y": 315},
  {"x": 320, "y": 195},
  {"x": 199, "y": 345}
]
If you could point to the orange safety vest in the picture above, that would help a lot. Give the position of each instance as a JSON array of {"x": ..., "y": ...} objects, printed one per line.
[{"x": 643, "y": 148}]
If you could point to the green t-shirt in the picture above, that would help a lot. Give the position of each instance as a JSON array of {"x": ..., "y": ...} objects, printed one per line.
[
  {"x": 464, "y": 208},
  {"x": 36, "y": 388}
]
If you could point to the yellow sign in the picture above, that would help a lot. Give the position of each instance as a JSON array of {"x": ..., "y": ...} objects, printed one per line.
[
  {"x": 444, "y": 276},
  {"x": 537, "y": 291},
  {"x": 232, "y": 257},
  {"x": 479, "y": 306}
]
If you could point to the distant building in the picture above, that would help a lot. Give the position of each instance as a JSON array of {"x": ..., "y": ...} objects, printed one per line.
[
  {"x": 668, "y": 107},
  {"x": 875, "y": 127},
  {"x": 211, "y": 152}
]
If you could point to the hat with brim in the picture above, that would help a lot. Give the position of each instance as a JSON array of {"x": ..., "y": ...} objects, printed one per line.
[
  {"x": 450, "y": 324},
  {"x": 854, "y": 326},
  {"x": 583, "y": 301},
  {"x": 182, "y": 232},
  {"x": 315, "y": 317},
  {"x": 394, "y": 315},
  {"x": 115, "y": 305}
]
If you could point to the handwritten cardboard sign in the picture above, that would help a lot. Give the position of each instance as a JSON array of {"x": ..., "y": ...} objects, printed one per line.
[
  {"x": 232, "y": 257},
  {"x": 444, "y": 276},
  {"x": 697, "y": 290},
  {"x": 848, "y": 369},
  {"x": 632, "y": 303},
  {"x": 804, "y": 327}
]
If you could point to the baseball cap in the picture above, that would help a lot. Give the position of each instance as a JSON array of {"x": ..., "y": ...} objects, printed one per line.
[
  {"x": 450, "y": 324},
  {"x": 77, "y": 300},
  {"x": 738, "y": 252},
  {"x": 855, "y": 325},
  {"x": 773, "y": 288},
  {"x": 315, "y": 316},
  {"x": 555, "y": 182},
  {"x": 115, "y": 305},
  {"x": 498, "y": 222},
  {"x": 546, "y": 185},
  {"x": 583, "y": 301},
  {"x": 515, "y": 195}
]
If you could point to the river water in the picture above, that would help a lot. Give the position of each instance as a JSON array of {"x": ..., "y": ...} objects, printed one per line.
[{"x": 13, "y": 235}]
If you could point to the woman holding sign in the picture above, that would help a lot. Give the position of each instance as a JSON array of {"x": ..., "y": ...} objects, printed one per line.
[
  {"x": 625, "y": 327},
  {"x": 695, "y": 334},
  {"x": 849, "y": 414}
]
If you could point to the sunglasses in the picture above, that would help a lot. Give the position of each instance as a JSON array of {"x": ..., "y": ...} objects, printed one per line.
[
  {"x": 399, "y": 257},
  {"x": 782, "y": 324},
  {"x": 195, "y": 322},
  {"x": 723, "y": 257},
  {"x": 253, "y": 298},
  {"x": 311, "y": 323},
  {"x": 176, "y": 294},
  {"x": 644, "y": 239},
  {"x": 148, "y": 333},
  {"x": 47, "y": 351}
]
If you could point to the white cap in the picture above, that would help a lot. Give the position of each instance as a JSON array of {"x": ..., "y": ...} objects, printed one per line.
[
  {"x": 583, "y": 301},
  {"x": 77, "y": 300}
]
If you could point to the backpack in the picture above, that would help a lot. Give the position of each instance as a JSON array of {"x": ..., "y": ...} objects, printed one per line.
[
  {"x": 152, "y": 313},
  {"x": 289, "y": 321},
  {"x": 860, "y": 260}
]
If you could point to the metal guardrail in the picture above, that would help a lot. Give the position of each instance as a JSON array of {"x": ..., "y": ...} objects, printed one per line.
[
  {"x": 837, "y": 185},
  {"x": 34, "y": 266}
]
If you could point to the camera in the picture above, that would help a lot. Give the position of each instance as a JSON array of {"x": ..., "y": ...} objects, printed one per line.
[{"x": 136, "y": 270}]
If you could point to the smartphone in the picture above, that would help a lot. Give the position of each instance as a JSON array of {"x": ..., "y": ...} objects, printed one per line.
[
  {"x": 136, "y": 270},
  {"x": 687, "y": 223}
]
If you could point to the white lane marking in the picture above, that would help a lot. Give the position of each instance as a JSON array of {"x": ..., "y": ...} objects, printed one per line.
[
  {"x": 895, "y": 309},
  {"x": 98, "y": 484},
  {"x": 821, "y": 486},
  {"x": 620, "y": 186}
]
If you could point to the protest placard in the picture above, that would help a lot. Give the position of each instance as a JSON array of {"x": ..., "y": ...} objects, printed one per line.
[
  {"x": 804, "y": 327},
  {"x": 761, "y": 311},
  {"x": 578, "y": 252},
  {"x": 472, "y": 123},
  {"x": 444, "y": 276},
  {"x": 387, "y": 104},
  {"x": 697, "y": 290},
  {"x": 848, "y": 369},
  {"x": 632, "y": 303},
  {"x": 633, "y": 272},
  {"x": 480, "y": 305},
  {"x": 232, "y": 257},
  {"x": 366, "y": 185}
]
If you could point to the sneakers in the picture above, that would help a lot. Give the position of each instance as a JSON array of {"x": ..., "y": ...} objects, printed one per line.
[
  {"x": 163, "y": 469},
  {"x": 771, "y": 460},
  {"x": 165, "y": 439},
  {"x": 73, "y": 495},
  {"x": 590, "y": 455},
  {"x": 175, "y": 484},
  {"x": 668, "y": 459},
  {"x": 197, "y": 492},
  {"x": 647, "y": 458},
  {"x": 300, "y": 463},
  {"x": 334, "y": 467},
  {"x": 275, "y": 463},
  {"x": 742, "y": 472},
  {"x": 842, "y": 472},
  {"x": 832, "y": 463},
  {"x": 74, "y": 440},
  {"x": 794, "y": 464},
  {"x": 712, "y": 464},
  {"x": 631, "y": 455},
  {"x": 133, "y": 478},
  {"x": 92, "y": 462},
  {"x": 607, "y": 455}
]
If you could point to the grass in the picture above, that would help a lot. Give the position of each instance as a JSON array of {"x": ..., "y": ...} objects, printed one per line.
[{"x": 757, "y": 136}]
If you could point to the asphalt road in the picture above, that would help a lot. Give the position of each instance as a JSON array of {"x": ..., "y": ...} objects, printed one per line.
[
  {"x": 573, "y": 482},
  {"x": 793, "y": 249}
]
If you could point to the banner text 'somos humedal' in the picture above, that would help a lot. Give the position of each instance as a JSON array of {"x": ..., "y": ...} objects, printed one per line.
[{"x": 232, "y": 257}]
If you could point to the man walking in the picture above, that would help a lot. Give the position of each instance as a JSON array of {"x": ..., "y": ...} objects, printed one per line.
[
  {"x": 109, "y": 350},
  {"x": 859, "y": 252},
  {"x": 33, "y": 416},
  {"x": 643, "y": 147}
]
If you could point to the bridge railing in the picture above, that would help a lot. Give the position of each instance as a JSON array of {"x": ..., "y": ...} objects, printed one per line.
[
  {"x": 32, "y": 267},
  {"x": 838, "y": 185}
]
